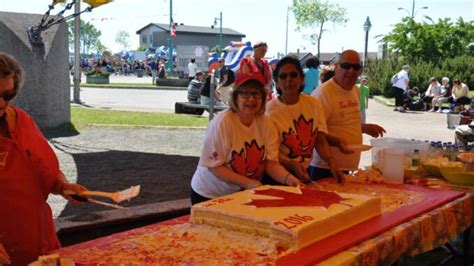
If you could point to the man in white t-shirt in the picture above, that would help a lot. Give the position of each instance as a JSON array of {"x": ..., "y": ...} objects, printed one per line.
[
  {"x": 192, "y": 69},
  {"x": 340, "y": 101},
  {"x": 399, "y": 87},
  {"x": 464, "y": 134}
]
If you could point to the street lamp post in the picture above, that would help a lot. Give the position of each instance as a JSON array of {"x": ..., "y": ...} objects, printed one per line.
[
  {"x": 367, "y": 26},
  {"x": 220, "y": 28},
  {"x": 77, "y": 55},
  {"x": 170, "y": 50},
  {"x": 413, "y": 12},
  {"x": 286, "y": 40}
]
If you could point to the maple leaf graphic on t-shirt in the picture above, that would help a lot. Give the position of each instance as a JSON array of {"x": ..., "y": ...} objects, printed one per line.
[
  {"x": 250, "y": 161},
  {"x": 300, "y": 141},
  {"x": 307, "y": 198}
]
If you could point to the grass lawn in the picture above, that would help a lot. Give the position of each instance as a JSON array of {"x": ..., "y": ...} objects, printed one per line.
[{"x": 81, "y": 117}]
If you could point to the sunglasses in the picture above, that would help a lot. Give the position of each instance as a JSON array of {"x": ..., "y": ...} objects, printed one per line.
[
  {"x": 292, "y": 75},
  {"x": 8, "y": 96},
  {"x": 346, "y": 66},
  {"x": 247, "y": 94}
]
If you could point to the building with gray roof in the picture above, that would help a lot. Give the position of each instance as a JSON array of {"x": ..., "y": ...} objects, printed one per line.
[
  {"x": 46, "y": 92},
  {"x": 158, "y": 34}
]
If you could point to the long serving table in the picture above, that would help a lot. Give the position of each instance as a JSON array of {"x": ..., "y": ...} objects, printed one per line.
[
  {"x": 378, "y": 241},
  {"x": 405, "y": 231},
  {"x": 421, "y": 234}
]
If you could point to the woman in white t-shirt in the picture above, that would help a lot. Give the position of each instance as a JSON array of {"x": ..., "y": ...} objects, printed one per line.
[
  {"x": 240, "y": 146},
  {"x": 300, "y": 122}
]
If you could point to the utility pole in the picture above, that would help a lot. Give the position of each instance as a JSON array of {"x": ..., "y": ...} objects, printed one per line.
[
  {"x": 286, "y": 42},
  {"x": 77, "y": 54},
  {"x": 170, "y": 50},
  {"x": 220, "y": 28},
  {"x": 220, "y": 31}
]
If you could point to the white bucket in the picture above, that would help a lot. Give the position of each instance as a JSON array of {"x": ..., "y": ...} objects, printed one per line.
[
  {"x": 393, "y": 165},
  {"x": 453, "y": 120}
]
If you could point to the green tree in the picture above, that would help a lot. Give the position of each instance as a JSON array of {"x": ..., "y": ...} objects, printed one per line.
[
  {"x": 89, "y": 37},
  {"x": 122, "y": 38},
  {"x": 314, "y": 14},
  {"x": 218, "y": 49},
  {"x": 380, "y": 72},
  {"x": 431, "y": 42}
]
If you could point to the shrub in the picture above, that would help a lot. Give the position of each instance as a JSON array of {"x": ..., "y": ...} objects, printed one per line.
[
  {"x": 380, "y": 72},
  {"x": 97, "y": 73}
]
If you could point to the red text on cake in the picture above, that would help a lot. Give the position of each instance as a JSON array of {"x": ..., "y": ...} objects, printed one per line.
[{"x": 294, "y": 220}]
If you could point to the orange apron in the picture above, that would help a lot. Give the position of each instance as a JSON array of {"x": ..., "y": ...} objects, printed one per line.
[{"x": 26, "y": 224}]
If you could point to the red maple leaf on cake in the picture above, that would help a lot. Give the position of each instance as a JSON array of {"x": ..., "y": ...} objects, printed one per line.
[
  {"x": 250, "y": 161},
  {"x": 308, "y": 198},
  {"x": 300, "y": 141}
]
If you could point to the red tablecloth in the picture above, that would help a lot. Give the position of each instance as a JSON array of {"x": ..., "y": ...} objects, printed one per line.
[
  {"x": 343, "y": 240},
  {"x": 324, "y": 249}
]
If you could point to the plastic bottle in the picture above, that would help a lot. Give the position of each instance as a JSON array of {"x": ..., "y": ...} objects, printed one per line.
[
  {"x": 460, "y": 148},
  {"x": 415, "y": 158},
  {"x": 446, "y": 150},
  {"x": 454, "y": 153},
  {"x": 448, "y": 153},
  {"x": 433, "y": 151}
]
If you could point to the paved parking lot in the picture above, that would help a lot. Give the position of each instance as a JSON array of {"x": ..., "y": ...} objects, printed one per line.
[{"x": 409, "y": 125}]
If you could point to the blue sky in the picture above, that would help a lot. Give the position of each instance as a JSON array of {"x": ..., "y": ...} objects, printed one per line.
[{"x": 258, "y": 19}]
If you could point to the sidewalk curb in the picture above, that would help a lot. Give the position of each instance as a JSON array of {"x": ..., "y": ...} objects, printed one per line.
[
  {"x": 148, "y": 126},
  {"x": 132, "y": 87},
  {"x": 382, "y": 100}
]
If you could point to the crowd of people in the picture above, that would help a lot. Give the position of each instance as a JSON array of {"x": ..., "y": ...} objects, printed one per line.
[
  {"x": 432, "y": 100},
  {"x": 199, "y": 87},
  {"x": 124, "y": 67},
  {"x": 289, "y": 138},
  {"x": 304, "y": 131}
]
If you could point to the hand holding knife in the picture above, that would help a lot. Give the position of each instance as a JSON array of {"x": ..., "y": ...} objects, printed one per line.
[{"x": 85, "y": 199}]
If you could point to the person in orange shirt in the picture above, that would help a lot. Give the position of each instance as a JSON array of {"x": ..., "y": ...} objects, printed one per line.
[
  {"x": 340, "y": 101},
  {"x": 29, "y": 172}
]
